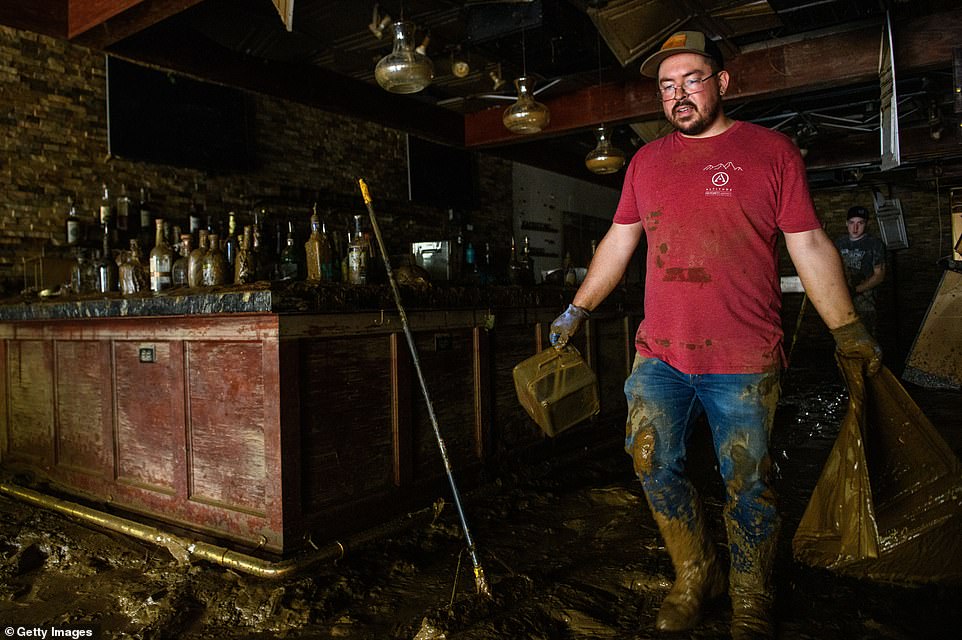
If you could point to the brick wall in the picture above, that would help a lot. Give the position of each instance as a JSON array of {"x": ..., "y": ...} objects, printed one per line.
[
  {"x": 912, "y": 274},
  {"x": 53, "y": 146}
]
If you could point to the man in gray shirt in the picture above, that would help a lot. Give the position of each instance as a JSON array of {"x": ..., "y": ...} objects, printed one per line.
[{"x": 864, "y": 258}]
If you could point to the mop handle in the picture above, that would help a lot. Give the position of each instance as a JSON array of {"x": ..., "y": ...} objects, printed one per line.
[{"x": 479, "y": 578}]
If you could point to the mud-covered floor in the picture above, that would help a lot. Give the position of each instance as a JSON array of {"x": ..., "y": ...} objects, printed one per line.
[{"x": 569, "y": 549}]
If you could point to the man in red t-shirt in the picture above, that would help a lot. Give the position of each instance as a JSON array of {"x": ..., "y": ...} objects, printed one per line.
[{"x": 711, "y": 198}]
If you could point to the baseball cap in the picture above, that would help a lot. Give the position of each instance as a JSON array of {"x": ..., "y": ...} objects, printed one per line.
[
  {"x": 857, "y": 212},
  {"x": 682, "y": 42}
]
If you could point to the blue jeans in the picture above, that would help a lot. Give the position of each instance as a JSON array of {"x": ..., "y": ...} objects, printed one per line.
[{"x": 663, "y": 404}]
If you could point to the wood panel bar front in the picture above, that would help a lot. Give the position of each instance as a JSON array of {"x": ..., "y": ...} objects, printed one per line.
[{"x": 272, "y": 431}]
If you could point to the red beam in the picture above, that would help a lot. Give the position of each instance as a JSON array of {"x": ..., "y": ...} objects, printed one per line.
[
  {"x": 835, "y": 60},
  {"x": 98, "y": 24},
  {"x": 86, "y": 14}
]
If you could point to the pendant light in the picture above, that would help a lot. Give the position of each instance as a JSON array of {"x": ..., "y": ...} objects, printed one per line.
[
  {"x": 526, "y": 115},
  {"x": 604, "y": 158},
  {"x": 404, "y": 70},
  {"x": 460, "y": 65},
  {"x": 379, "y": 23},
  {"x": 497, "y": 81}
]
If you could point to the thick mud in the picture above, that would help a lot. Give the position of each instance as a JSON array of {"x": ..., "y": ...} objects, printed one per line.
[{"x": 569, "y": 549}]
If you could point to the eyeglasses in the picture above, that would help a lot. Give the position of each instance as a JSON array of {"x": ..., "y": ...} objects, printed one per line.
[{"x": 689, "y": 86}]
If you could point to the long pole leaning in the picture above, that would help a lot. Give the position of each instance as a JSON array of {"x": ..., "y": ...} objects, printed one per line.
[{"x": 479, "y": 579}]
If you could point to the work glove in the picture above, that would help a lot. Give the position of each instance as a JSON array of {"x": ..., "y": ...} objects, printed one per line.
[
  {"x": 853, "y": 340},
  {"x": 566, "y": 325}
]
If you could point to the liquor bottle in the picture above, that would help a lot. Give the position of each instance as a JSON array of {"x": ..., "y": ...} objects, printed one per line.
[
  {"x": 88, "y": 273},
  {"x": 125, "y": 280},
  {"x": 78, "y": 283},
  {"x": 145, "y": 215},
  {"x": 178, "y": 271},
  {"x": 140, "y": 260},
  {"x": 73, "y": 226},
  {"x": 215, "y": 264},
  {"x": 161, "y": 260},
  {"x": 106, "y": 209},
  {"x": 260, "y": 257},
  {"x": 243, "y": 264},
  {"x": 287, "y": 268},
  {"x": 515, "y": 268},
  {"x": 470, "y": 274},
  {"x": 331, "y": 270},
  {"x": 106, "y": 268},
  {"x": 469, "y": 258},
  {"x": 124, "y": 226},
  {"x": 527, "y": 263},
  {"x": 195, "y": 261},
  {"x": 280, "y": 240},
  {"x": 457, "y": 257},
  {"x": 317, "y": 251},
  {"x": 107, "y": 220},
  {"x": 230, "y": 243},
  {"x": 486, "y": 275},
  {"x": 357, "y": 255},
  {"x": 133, "y": 274},
  {"x": 195, "y": 218}
]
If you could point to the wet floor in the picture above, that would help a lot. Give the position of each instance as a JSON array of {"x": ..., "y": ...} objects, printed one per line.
[{"x": 569, "y": 549}]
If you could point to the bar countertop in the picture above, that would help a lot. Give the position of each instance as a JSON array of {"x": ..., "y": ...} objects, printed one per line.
[{"x": 287, "y": 297}]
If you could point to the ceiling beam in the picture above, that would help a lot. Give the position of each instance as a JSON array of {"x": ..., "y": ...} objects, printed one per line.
[
  {"x": 100, "y": 23},
  {"x": 92, "y": 23},
  {"x": 83, "y": 15},
  {"x": 831, "y": 61}
]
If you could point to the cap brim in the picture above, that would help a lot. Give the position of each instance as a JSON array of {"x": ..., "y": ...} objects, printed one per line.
[{"x": 650, "y": 66}]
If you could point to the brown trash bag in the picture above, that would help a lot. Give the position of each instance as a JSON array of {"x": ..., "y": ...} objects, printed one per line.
[{"x": 888, "y": 505}]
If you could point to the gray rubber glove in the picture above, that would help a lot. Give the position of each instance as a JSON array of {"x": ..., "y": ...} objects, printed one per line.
[
  {"x": 853, "y": 340},
  {"x": 566, "y": 325}
]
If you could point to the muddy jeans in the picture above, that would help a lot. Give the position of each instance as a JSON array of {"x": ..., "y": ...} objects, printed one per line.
[{"x": 663, "y": 404}]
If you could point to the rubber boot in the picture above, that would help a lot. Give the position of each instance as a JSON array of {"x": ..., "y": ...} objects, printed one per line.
[
  {"x": 750, "y": 585},
  {"x": 698, "y": 576}
]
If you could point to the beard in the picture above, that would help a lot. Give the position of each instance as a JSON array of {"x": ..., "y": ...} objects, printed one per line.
[{"x": 695, "y": 122}]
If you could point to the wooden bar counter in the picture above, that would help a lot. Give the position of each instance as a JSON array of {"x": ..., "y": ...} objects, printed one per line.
[{"x": 276, "y": 415}]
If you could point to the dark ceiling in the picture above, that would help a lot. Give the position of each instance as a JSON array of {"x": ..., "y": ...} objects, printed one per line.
[{"x": 808, "y": 68}]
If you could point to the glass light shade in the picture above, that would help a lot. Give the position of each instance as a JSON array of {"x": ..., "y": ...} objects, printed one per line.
[
  {"x": 526, "y": 115},
  {"x": 404, "y": 70},
  {"x": 460, "y": 67},
  {"x": 604, "y": 158},
  {"x": 496, "y": 80}
]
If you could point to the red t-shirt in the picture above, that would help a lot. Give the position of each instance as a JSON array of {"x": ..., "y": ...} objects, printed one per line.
[{"x": 711, "y": 208}]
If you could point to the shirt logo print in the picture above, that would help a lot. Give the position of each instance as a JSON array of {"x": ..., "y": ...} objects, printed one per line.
[{"x": 720, "y": 179}]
